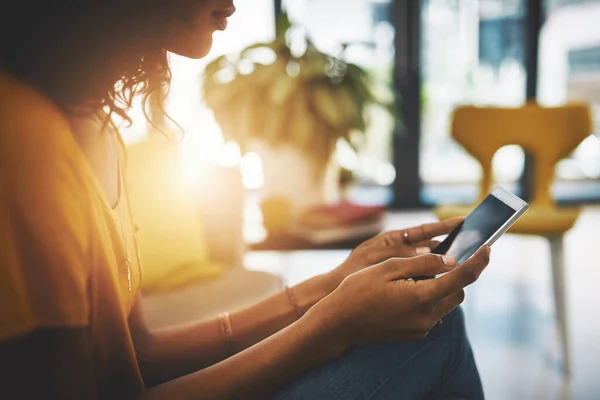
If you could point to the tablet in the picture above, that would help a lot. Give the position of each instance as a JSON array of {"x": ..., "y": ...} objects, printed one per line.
[{"x": 486, "y": 223}]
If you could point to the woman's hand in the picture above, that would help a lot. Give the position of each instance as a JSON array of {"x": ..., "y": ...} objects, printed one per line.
[
  {"x": 380, "y": 303},
  {"x": 403, "y": 243}
]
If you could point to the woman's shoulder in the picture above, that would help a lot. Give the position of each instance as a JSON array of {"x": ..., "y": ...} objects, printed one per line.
[
  {"x": 39, "y": 161},
  {"x": 34, "y": 132},
  {"x": 26, "y": 112}
]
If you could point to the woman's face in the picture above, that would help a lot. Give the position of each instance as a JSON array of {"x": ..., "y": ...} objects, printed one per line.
[{"x": 191, "y": 36}]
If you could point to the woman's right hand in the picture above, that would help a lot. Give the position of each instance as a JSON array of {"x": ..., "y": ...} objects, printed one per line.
[{"x": 381, "y": 304}]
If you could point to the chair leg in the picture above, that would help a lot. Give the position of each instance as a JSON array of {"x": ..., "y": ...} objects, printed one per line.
[{"x": 560, "y": 301}]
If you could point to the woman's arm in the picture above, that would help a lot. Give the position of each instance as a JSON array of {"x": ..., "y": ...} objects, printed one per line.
[
  {"x": 263, "y": 368},
  {"x": 377, "y": 304},
  {"x": 173, "y": 352}
]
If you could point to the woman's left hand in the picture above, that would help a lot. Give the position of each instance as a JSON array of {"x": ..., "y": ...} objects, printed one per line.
[{"x": 402, "y": 243}]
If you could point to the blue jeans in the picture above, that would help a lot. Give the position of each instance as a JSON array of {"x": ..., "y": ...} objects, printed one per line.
[{"x": 440, "y": 366}]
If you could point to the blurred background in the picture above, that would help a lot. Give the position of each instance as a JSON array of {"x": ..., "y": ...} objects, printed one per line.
[
  {"x": 462, "y": 52},
  {"x": 315, "y": 124}
]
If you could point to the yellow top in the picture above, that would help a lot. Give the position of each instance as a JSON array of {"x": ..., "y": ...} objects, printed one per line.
[{"x": 62, "y": 247}]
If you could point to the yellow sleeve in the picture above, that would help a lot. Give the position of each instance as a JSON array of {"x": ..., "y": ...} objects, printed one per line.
[{"x": 44, "y": 229}]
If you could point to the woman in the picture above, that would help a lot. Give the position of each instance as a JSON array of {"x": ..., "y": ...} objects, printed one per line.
[{"x": 70, "y": 318}]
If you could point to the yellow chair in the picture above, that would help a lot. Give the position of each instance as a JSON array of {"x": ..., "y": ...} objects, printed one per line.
[{"x": 548, "y": 135}]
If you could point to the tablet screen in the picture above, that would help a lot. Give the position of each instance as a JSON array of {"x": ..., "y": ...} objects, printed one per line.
[{"x": 476, "y": 229}]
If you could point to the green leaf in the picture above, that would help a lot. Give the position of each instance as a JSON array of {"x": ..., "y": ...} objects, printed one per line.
[
  {"x": 283, "y": 24},
  {"x": 355, "y": 70}
]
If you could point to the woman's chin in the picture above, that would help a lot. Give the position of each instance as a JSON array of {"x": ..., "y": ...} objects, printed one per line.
[{"x": 192, "y": 49}]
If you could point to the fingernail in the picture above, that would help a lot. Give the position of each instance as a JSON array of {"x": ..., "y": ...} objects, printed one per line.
[
  {"x": 449, "y": 261},
  {"x": 423, "y": 250}
]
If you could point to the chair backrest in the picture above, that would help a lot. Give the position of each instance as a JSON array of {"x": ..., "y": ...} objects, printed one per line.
[{"x": 547, "y": 134}]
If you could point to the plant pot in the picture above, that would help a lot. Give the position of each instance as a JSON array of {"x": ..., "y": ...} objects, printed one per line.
[{"x": 289, "y": 174}]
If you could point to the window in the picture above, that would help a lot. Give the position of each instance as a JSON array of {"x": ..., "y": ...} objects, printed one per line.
[
  {"x": 472, "y": 53},
  {"x": 569, "y": 63},
  {"x": 365, "y": 35}
]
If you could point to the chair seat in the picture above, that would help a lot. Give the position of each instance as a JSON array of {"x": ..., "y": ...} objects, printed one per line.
[{"x": 543, "y": 221}]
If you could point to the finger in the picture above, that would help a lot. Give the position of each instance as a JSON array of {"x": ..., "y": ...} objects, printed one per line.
[
  {"x": 460, "y": 277},
  {"x": 425, "y": 265},
  {"x": 372, "y": 240},
  {"x": 426, "y": 246},
  {"x": 447, "y": 305},
  {"x": 433, "y": 244},
  {"x": 427, "y": 243},
  {"x": 429, "y": 231},
  {"x": 418, "y": 251},
  {"x": 388, "y": 245}
]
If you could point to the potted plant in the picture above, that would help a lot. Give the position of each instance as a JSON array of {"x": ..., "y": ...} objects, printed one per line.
[{"x": 294, "y": 107}]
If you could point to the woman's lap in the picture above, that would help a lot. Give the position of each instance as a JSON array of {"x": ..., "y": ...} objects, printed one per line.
[{"x": 438, "y": 367}]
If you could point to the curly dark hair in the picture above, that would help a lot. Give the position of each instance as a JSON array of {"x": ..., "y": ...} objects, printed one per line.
[{"x": 91, "y": 55}]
